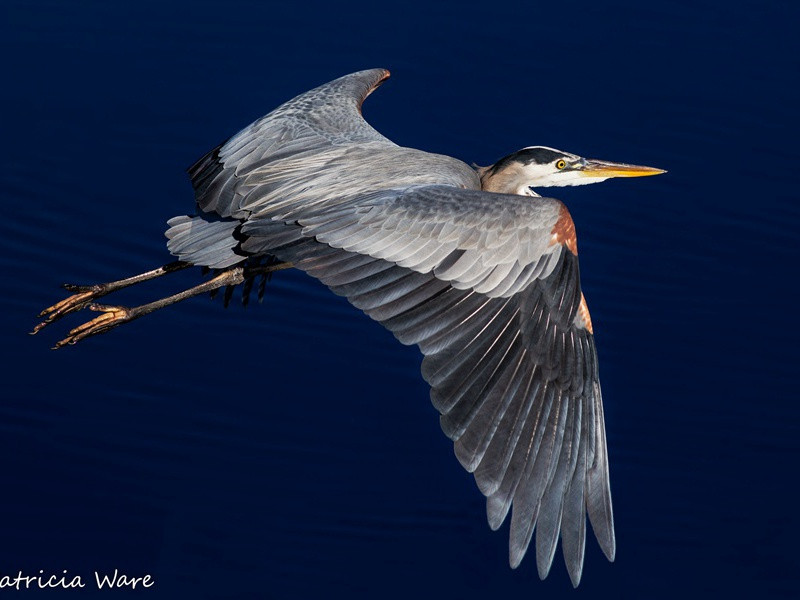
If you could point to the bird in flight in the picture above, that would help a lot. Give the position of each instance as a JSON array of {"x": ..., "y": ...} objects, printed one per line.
[{"x": 471, "y": 265}]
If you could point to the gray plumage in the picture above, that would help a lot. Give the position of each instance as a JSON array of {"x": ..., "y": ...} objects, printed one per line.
[{"x": 484, "y": 283}]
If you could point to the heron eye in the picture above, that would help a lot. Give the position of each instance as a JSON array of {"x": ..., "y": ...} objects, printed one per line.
[{"x": 561, "y": 164}]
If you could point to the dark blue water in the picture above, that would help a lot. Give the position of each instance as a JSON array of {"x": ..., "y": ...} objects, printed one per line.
[{"x": 289, "y": 450}]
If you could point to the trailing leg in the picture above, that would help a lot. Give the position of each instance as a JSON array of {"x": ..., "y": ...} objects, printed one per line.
[
  {"x": 84, "y": 294},
  {"x": 113, "y": 316}
]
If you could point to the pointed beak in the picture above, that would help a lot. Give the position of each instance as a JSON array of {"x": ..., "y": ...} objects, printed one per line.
[{"x": 605, "y": 170}]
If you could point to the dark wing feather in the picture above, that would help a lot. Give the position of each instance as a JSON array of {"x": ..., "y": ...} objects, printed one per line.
[
  {"x": 513, "y": 373},
  {"x": 313, "y": 122}
]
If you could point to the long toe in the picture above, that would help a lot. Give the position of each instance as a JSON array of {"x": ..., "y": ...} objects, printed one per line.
[
  {"x": 64, "y": 307},
  {"x": 112, "y": 317}
]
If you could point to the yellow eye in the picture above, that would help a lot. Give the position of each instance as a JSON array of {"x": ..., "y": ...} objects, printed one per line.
[{"x": 561, "y": 164}]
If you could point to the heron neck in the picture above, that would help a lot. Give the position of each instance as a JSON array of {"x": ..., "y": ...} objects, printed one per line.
[{"x": 508, "y": 180}]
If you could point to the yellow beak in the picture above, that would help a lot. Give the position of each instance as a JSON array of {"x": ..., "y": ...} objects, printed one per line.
[{"x": 601, "y": 168}]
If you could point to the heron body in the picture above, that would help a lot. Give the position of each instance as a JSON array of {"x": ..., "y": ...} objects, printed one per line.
[{"x": 465, "y": 264}]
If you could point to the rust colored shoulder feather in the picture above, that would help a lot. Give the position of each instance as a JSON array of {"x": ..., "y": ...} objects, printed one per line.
[{"x": 563, "y": 231}]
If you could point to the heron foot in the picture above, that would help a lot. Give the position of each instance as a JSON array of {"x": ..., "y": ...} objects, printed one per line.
[
  {"x": 83, "y": 296},
  {"x": 112, "y": 317}
]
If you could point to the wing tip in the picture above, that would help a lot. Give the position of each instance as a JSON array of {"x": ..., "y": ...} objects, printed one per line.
[
  {"x": 575, "y": 575},
  {"x": 610, "y": 551},
  {"x": 496, "y": 511},
  {"x": 604, "y": 532},
  {"x": 546, "y": 544},
  {"x": 380, "y": 76},
  {"x": 543, "y": 569}
]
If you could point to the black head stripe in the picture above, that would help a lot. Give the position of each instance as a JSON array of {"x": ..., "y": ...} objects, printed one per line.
[
  {"x": 527, "y": 156},
  {"x": 541, "y": 156}
]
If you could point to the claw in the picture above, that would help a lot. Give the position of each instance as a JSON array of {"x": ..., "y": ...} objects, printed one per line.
[{"x": 112, "y": 317}]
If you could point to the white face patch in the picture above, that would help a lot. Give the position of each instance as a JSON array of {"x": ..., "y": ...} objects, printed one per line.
[
  {"x": 556, "y": 178},
  {"x": 549, "y": 175}
]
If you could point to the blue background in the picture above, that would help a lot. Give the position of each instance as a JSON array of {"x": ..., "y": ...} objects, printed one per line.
[{"x": 289, "y": 450}]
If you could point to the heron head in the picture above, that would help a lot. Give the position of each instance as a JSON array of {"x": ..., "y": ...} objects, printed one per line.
[{"x": 540, "y": 166}]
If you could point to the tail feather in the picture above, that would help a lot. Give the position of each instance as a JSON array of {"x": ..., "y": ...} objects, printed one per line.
[{"x": 205, "y": 242}]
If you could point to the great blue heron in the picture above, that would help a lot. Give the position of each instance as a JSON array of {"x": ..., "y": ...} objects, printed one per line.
[{"x": 462, "y": 262}]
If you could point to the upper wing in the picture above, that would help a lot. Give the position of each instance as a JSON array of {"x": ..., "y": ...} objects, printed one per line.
[
  {"x": 487, "y": 286},
  {"x": 318, "y": 121},
  {"x": 311, "y": 153}
]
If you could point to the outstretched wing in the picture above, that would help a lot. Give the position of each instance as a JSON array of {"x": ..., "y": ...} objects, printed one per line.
[
  {"x": 487, "y": 286},
  {"x": 322, "y": 120},
  {"x": 310, "y": 154},
  {"x": 314, "y": 150}
]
